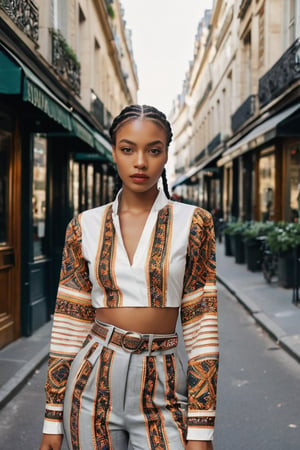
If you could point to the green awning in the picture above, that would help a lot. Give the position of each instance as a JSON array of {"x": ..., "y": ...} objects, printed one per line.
[
  {"x": 82, "y": 130},
  {"x": 16, "y": 78},
  {"x": 103, "y": 146}
]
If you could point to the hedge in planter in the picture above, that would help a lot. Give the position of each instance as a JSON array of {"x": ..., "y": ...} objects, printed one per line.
[
  {"x": 284, "y": 240},
  {"x": 235, "y": 231},
  {"x": 253, "y": 246}
]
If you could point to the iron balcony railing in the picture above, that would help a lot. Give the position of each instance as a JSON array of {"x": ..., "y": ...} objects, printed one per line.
[
  {"x": 281, "y": 76},
  {"x": 25, "y": 14},
  {"x": 65, "y": 61},
  {"x": 243, "y": 113}
]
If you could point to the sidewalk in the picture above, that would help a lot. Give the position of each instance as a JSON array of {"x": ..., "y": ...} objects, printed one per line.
[
  {"x": 270, "y": 305},
  {"x": 20, "y": 359}
]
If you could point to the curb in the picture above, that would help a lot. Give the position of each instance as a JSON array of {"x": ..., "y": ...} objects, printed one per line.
[
  {"x": 11, "y": 387},
  {"x": 287, "y": 343}
]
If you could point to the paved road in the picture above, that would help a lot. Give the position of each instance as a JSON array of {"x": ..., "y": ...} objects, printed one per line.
[{"x": 258, "y": 397}]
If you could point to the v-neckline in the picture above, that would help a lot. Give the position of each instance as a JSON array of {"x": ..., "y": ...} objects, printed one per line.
[
  {"x": 142, "y": 239},
  {"x": 160, "y": 201}
]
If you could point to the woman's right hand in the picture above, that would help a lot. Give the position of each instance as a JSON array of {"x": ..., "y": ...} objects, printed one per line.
[{"x": 51, "y": 442}]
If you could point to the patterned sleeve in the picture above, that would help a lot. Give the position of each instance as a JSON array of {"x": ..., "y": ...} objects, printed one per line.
[
  {"x": 73, "y": 317},
  {"x": 200, "y": 327}
]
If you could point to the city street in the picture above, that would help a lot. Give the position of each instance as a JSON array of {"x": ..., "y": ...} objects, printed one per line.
[{"x": 258, "y": 396}]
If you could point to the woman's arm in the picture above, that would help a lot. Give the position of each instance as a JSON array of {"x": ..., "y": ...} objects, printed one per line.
[
  {"x": 200, "y": 329},
  {"x": 51, "y": 442},
  {"x": 73, "y": 318}
]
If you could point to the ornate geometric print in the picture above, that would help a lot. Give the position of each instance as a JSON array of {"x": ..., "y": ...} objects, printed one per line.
[
  {"x": 200, "y": 324},
  {"x": 103, "y": 401},
  {"x": 105, "y": 261},
  {"x": 202, "y": 382},
  {"x": 74, "y": 271},
  {"x": 201, "y": 258},
  {"x": 172, "y": 402},
  {"x": 157, "y": 263},
  {"x": 79, "y": 387},
  {"x": 57, "y": 377},
  {"x": 154, "y": 420}
]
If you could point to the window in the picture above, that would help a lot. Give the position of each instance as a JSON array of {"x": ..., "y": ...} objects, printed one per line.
[
  {"x": 266, "y": 186},
  {"x": 39, "y": 186},
  {"x": 293, "y": 182}
]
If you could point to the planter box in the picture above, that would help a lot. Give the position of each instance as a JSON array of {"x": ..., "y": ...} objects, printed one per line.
[
  {"x": 253, "y": 254},
  {"x": 286, "y": 269},
  {"x": 227, "y": 245},
  {"x": 239, "y": 248}
]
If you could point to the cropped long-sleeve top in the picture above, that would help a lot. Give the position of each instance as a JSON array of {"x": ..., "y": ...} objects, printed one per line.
[{"x": 173, "y": 266}]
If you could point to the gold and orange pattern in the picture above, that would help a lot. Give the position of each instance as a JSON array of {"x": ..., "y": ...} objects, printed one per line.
[
  {"x": 199, "y": 323},
  {"x": 73, "y": 318},
  {"x": 105, "y": 262},
  {"x": 158, "y": 259}
]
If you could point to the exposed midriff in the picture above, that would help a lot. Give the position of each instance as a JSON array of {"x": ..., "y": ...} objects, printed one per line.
[{"x": 142, "y": 320}]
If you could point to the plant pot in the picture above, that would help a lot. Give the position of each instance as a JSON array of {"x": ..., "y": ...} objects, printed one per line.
[
  {"x": 239, "y": 249},
  {"x": 227, "y": 245},
  {"x": 232, "y": 243},
  {"x": 253, "y": 254},
  {"x": 286, "y": 269}
]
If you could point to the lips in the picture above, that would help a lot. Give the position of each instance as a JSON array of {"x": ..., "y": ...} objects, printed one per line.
[{"x": 139, "y": 176}]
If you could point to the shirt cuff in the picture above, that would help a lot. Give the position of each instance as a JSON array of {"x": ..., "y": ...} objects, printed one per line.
[
  {"x": 53, "y": 427},
  {"x": 199, "y": 434}
]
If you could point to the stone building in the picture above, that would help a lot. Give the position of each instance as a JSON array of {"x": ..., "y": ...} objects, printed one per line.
[
  {"x": 243, "y": 145},
  {"x": 66, "y": 67}
]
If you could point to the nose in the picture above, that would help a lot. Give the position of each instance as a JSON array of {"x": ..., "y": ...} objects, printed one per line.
[{"x": 140, "y": 161}]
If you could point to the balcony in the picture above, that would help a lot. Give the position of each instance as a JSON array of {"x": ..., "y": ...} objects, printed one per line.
[
  {"x": 25, "y": 14},
  {"x": 243, "y": 113},
  {"x": 214, "y": 143},
  {"x": 244, "y": 8},
  {"x": 98, "y": 110},
  {"x": 281, "y": 76},
  {"x": 65, "y": 61}
]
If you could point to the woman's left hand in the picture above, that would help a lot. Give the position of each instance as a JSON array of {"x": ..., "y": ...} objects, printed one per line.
[{"x": 199, "y": 445}]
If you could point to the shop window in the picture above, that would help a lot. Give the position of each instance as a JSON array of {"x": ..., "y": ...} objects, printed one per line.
[
  {"x": 90, "y": 183},
  {"x": 5, "y": 139},
  {"x": 266, "y": 186},
  {"x": 293, "y": 180},
  {"x": 75, "y": 190},
  {"x": 39, "y": 185}
]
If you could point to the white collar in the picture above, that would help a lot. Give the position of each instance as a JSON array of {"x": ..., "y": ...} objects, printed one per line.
[{"x": 160, "y": 202}]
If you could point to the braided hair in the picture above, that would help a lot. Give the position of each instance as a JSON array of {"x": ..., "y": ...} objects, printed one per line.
[{"x": 133, "y": 112}]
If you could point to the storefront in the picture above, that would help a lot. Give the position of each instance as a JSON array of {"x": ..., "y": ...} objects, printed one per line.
[
  {"x": 261, "y": 170},
  {"x": 43, "y": 182}
]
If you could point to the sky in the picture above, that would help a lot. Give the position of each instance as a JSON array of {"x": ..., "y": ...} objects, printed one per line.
[{"x": 163, "y": 35}]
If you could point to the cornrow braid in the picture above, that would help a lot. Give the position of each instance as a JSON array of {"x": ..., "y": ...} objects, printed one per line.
[
  {"x": 165, "y": 183},
  {"x": 133, "y": 112}
]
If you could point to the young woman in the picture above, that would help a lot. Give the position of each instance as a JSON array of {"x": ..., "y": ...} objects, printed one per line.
[{"x": 116, "y": 379}]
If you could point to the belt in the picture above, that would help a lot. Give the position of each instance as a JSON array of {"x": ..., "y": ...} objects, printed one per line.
[{"x": 134, "y": 342}]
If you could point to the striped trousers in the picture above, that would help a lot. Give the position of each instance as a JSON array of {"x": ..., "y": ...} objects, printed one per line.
[{"x": 126, "y": 391}]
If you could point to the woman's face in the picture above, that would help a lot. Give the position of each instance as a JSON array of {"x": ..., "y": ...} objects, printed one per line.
[{"x": 140, "y": 153}]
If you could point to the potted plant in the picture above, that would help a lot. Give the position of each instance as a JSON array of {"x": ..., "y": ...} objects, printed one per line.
[
  {"x": 227, "y": 241},
  {"x": 284, "y": 241},
  {"x": 235, "y": 231},
  {"x": 253, "y": 245}
]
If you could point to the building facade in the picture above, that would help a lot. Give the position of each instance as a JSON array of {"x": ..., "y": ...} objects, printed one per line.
[
  {"x": 66, "y": 68},
  {"x": 244, "y": 116}
]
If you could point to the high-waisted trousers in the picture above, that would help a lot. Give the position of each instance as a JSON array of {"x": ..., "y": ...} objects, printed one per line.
[{"x": 126, "y": 391}]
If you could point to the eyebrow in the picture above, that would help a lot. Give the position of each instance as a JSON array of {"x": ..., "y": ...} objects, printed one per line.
[{"x": 127, "y": 141}]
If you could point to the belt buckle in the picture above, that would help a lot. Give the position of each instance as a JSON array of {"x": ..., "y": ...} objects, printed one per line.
[{"x": 131, "y": 334}]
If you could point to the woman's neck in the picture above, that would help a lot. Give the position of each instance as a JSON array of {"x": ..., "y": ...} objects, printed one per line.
[{"x": 135, "y": 201}]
